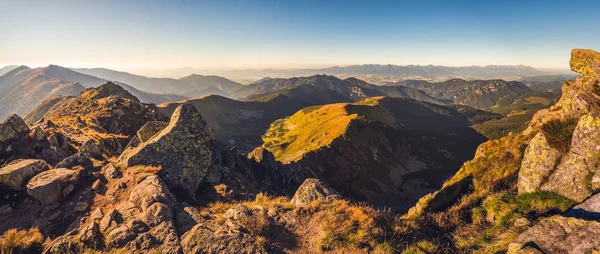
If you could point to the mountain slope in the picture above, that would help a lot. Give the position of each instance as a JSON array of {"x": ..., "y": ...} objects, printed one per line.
[
  {"x": 382, "y": 150},
  {"x": 24, "y": 88},
  {"x": 476, "y": 93},
  {"x": 351, "y": 88},
  {"x": 531, "y": 192},
  {"x": 8, "y": 68},
  {"x": 180, "y": 86},
  {"x": 239, "y": 123}
]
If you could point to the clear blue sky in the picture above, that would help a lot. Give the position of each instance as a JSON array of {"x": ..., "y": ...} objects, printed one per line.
[{"x": 285, "y": 34}]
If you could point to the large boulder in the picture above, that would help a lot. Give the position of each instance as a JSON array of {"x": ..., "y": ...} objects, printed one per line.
[
  {"x": 47, "y": 187},
  {"x": 16, "y": 175},
  {"x": 149, "y": 191},
  {"x": 314, "y": 190},
  {"x": 559, "y": 234},
  {"x": 183, "y": 150},
  {"x": 539, "y": 161},
  {"x": 13, "y": 128}
]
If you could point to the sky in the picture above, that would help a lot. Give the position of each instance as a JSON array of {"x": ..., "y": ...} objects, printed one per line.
[{"x": 134, "y": 35}]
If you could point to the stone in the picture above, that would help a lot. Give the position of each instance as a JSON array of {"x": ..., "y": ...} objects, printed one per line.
[
  {"x": 55, "y": 215},
  {"x": 157, "y": 213},
  {"x": 585, "y": 61},
  {"x": 143, "y": 242},
  {"x": 6, "y": 209},
  {"x": 539, "y": 160},
  {"x": 96, "y": 174},
  {"x": 81, "y": 206},
  {"x": 150, "y": 129},
  {"x": 110, "y": 172},
  {"x": 559, "y": 234},
  {"x": 96, "y": 214},
  {"x": 314, "y": 190},
  {"x": 38, "y": 134},
  {"x": 91, "y": 149},
  {"x": 75, "y": 160},
  {"x": 16, "y": 175},
  {"x": 111, "y": 219},
  {"x": 521, "y": 222},
  {"x": 150, "y": 191},
  {"x": 137, "y": 226},
  {"x": 91, "y": 237},
  {"x": 589, "y": 210},
  {"x": 13, "y": 128},
  {"x": 120, "y": 237},
  {"x": 586, "y": 140},
  {"x": 570, "y": 179},
  {"x": 47, "y": 186},
  {"x": 96, "y": 185},
  {"x": 67, "y": 190},
  {"x": 183, "y": 150}
]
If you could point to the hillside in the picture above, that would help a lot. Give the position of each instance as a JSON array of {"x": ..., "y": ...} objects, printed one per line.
[
  {"x": 382, "y": 150},
  {"x": 7, "y": 68},
  {"x": 182, "y": 86},
  {"x": 351, "y": 88},
  {"x": 311, "y": 95},
  {"x": 239, "y": 123},
  {"x": 24, "y": 88},
  {"x": 476, "y": 93},
  {"x": 530, "y": 192}
]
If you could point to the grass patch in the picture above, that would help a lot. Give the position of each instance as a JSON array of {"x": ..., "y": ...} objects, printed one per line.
[
  {"x": 543, "y": 202},
  {"x": 21, "y": 241},
  {"x": 559, "y": 133}
]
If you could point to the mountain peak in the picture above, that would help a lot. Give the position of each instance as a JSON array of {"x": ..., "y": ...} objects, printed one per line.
[{"x": 107, "y": 90}]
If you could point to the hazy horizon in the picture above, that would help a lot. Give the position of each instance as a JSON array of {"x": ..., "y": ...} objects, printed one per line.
[{"x": 140, "y": 37}]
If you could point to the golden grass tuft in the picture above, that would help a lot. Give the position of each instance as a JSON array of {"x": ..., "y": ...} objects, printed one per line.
[{"x": 21, "y": 241}]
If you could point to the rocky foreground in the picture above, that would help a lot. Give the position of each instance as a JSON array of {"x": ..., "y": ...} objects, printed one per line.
[{"x": 103, "y": 172}]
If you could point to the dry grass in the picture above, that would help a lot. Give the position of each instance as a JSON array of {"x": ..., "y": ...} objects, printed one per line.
[{"x": 21, "y": 241}]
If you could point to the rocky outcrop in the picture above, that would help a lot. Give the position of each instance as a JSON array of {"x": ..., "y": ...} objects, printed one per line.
[
  {"x": 558, "y": 234},
  {"x": 570, "y": 172},
  {"x": 183, "y": 150},
  {"x": 13, "y": 128},
  {"x": 47, "y": 187},
  {"x": 314, "y": 190},
  {"x": 233, "y": 236},
  {"x": 16, "y": 175},
  {"x": 539, "y": 161}
]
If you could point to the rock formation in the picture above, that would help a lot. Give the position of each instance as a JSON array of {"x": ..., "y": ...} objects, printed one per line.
[{"x": 182, "y": 149}]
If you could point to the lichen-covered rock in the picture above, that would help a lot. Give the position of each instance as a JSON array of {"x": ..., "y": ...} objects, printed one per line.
[
  {"x": 16, "y": 175},
  {"x": 150, "y": 129},
  {"x": 47, "y": 186},
  {"x": 570, "y": 179},
  {"x": 91, "y": 149},
  {"x": 314, "y": 190},
  {"x": 586, "y": 140},
  {"x": 559, "y": 234},
  {"x": 183, "y": 149},
  {"x": 77, "y": 159},
  {"x": 585, "y": 61},
  {"x": 13, "y": 128},
  {"x": 538, "y": 163}
]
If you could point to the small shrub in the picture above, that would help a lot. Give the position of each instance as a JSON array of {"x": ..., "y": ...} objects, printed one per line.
[
  {"x": 21, "y": 241},
  {"x": 559, "y": 133}
]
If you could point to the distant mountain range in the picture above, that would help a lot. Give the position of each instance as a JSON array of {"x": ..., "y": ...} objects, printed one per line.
[
  {"x": 23, "y": 88},
  {"x": 190, "y": 86},
  {"x": 379, "y": 73},
  {"x": 351, "y": 88}
]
